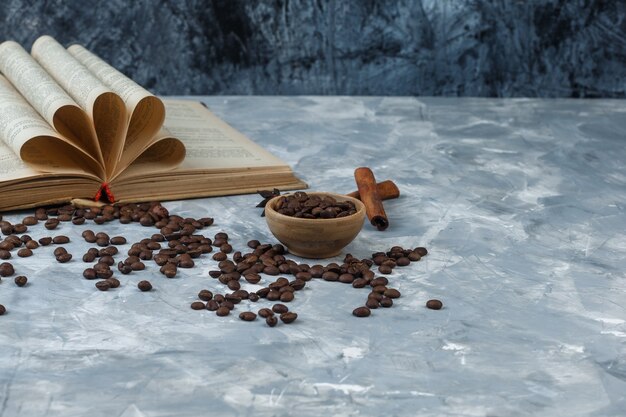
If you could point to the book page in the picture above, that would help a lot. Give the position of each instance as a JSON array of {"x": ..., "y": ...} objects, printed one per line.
[
  {"x": 11, "y": 166},
  {"x": 210, "y": 142},
  {"x": 32, "y": 139},
  {"x": 105, "y": 108},
  {"x": 43, "y": 93},
  {"x": 146, "y": 111}
]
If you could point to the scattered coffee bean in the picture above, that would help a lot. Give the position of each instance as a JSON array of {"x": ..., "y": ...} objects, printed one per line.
[
  {"x": 286, "y": 297},
  {"x": 288, "y": 317},
  {"x": 371, "y": 303},
  {"x": 198, "y": 305},
  {"x": 6, "y": 269},
  {"x": 361, "y": 312},
  {"x": 385, "y": 269},
  {"x": 247, "y": 316},
  {"x": 118, "y": 240},
  {"x": 222, "y": 311},
  {"x": 280, "y": 308},
  {"x": 2, "y": 310},
  {"x": 60, "y": 240},
  {"x": 103, "y": 285},
  {"x": 205, "y": 295},
  {"x": 30, "y": 221},
  {"x": 51, "y": 224},
  {"x": 265, "y": 312},
  {"x": 24, "y": 253},
  {"x": 63, "y": 258},
  {"x": 5, "y": 254},
  {"x": 421, "y": 251},
  {"x": 113, "y": 282},
  {"x": 271, "y": 321},
  {"x": 391, "y": 293},
  {"x": 89, "y": 273},
  {"x": 386, "y": 302},
  {"x": 434, "y": 304},
  {"x": 144, "y": 285},
  {"x": 21, "y": 280}
]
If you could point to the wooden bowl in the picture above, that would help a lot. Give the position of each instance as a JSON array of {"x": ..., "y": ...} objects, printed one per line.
[{"x": 315, "y": 238}]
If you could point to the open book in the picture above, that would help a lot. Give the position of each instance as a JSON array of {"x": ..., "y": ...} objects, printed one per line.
[{"x": 72, "y": 126}]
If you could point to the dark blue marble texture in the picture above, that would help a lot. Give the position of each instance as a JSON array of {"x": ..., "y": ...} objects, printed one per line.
[{"x": 496, "y": 48}]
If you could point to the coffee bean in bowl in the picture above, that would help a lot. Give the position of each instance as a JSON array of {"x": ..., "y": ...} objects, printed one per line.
[{"x": 315, "y": 225}]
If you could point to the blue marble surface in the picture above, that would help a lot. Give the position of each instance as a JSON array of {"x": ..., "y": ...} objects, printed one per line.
[
  {"x": 520, "y": 203},
  {"x": 546, "y": 48}
]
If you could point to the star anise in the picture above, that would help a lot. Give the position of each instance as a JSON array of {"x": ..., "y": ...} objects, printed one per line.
[{"x": 267, "y": 196}]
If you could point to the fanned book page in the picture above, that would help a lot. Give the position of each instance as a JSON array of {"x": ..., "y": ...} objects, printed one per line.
[{"x": 72, "y": 126}]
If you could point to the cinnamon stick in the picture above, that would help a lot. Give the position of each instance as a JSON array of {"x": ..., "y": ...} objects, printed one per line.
[
  {"x": 366, "y": 184},
  {"x": 386, "y": 190}
]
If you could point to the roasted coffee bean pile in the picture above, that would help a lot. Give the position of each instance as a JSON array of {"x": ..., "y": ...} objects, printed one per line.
[
  {"x": 300, "y": 204},
  {"x": 178, "y": 243}
]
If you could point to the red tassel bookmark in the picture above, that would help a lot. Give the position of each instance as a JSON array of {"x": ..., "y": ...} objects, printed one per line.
[{"x": 104, "y": 191}]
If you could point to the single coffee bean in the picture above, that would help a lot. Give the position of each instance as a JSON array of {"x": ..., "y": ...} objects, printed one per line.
[
  {"x": 253, "y": 297},
  {"x": 232, "y": 298},
  {"x": 89, "y": 257},
  {"x": 60, "y": 251},
  {"x": 24, "y": 253},
  {"x": 286, "y": 297},
  {"x": 220, "y": 256},
  {"x": 330, "y": 276},
  {"x": 391, "y": 293},
  {"x": 421, "y": 251},
  {"x": 32, "y": 244},
  {"x": 380, "y": 289},
  {"x": 219, "y": 298},
  {"x": 198, "y": 305},
  {"x": 385, "y": 269},
  {"x": 346, "y": 278},
  {"x": 414, "y": 256},
  {"x": 359, "y": 283},
  {"x": 89, "y": 273},
  {"x": 103, "y": 285},
  {"x": 212, "y": 305},
  {"x": 361, "y": 311},
  {"x": 233, "y": 285},
  {"x": 253, "y": 244},
  {"x": 117, "y": 240},
  {"x": 5, "y": 254},
  {"x": 271, "y": 321},
  {"x": 273, "y": 295},
  {"x": 64, "y": 258},
  {"x": 107, "y": 260},
  {"x": 30, "y": 221},
  {"x": 51, "y": 224},
  {"x": 113, "y": 282},
  {"x": 252, "y": 278},
  {"x": 403, "y": 261},
  {"x": 144, "y": 285},
  {"x": 371, "y": 303},
  {"x": 386, "y": 302},
  {"x": 379, "y": 281},
  {"x": 297, "y": 284},
  {"x": 20, "y": 228},
  {"x": 78, "y": 220},
  {"x": 247, "y": 316},
  {"x": 60, "y": 240},
  {"x": 271, "y": 270},
  {"x": 205, "y": 295},
  {"x": 215, "y": 273},
  {"x": 21, "y": 280},
  {"x": 434, "y": 304},
  {"x": 6, "y": 269},
  {"x": 265, "y": 312},
  {"x": 138, "y": 266},
  {"x": 288, "y": 317},
  {"x": 222, "y": 311},
  {"x": 280, "y": 308}
]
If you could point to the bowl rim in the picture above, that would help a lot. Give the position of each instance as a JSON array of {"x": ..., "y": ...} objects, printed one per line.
[{"x": 269, "y": 208}]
